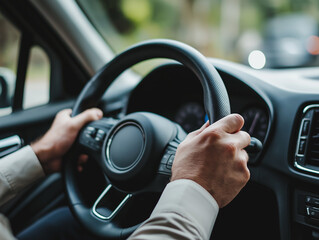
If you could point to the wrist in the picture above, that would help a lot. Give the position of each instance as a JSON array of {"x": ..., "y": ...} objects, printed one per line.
[
  {"x": 43, "y": 153},
  {"x": 201, "y": 182}
]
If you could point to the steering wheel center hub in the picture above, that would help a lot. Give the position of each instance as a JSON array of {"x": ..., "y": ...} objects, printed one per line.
[
  {"x": 125, "y": 146},
  {"x": 134, "y": 148}
]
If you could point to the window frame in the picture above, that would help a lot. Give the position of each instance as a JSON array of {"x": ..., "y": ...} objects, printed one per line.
[{"x": 36, "y": 31}]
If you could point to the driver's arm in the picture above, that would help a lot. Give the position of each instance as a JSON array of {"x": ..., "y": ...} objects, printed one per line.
[
  {"x": 209, "y": 170},
  {"x": 44, "y": 156}
]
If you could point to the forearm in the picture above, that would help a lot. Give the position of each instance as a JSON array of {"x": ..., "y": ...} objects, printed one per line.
[
  {"x": 185, "y": 211},
  {"x": 17, "y": 171}
]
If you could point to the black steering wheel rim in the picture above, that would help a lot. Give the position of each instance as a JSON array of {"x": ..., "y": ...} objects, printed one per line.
[
  {"x": 216, "y": 99},
  {"x": 216, "y": 104}
]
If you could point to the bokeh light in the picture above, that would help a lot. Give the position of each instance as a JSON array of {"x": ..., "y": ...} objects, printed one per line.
[
  {"x": 313, "y": 45},
  {"x": 257, "y": 59}
]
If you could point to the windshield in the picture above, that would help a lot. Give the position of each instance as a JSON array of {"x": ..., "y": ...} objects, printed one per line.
[{"x": 261, "y": 34}]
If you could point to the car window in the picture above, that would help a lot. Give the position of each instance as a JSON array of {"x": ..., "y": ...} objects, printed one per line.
[
  {"x": 37, "y": 85},
  {"x": 228, "y": 29},
  {"x": 35, "y": 80},
  {"x": 9, "y": 49}
]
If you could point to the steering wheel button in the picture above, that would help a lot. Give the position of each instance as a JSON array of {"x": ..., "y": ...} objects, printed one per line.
[
  {"x": 100, "y": 136},
  {"x": 165, "y": 158},
  {"x": 90, "y": 131},
  {"x": 100, "y": 132},
  {"x": 170, "y": 160},
  {"x": 164, "y": 169}
]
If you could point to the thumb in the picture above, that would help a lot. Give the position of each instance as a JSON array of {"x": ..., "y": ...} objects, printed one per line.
[
  {"x": 87, "y": 116},
  {"x": 230, "y": 124}
]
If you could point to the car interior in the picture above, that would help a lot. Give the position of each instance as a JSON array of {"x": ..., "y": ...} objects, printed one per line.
[{"x": 280, "y": 107}]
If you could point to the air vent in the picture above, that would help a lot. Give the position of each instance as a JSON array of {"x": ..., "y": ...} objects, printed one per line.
[
  {"x": 307, "y": 148},
  {"x": 313, "y": 150}
]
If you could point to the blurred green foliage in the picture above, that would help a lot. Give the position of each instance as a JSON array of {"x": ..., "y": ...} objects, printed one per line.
[
  {"x": 218, "y": 28},
  {"x": 214, "y": 27}
]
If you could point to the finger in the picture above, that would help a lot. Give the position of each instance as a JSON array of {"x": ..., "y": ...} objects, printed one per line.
[
  {"x": 65, "y": 112},
  {"x": 244, "y": 155},
  {"x": 87, "y": 116},
  {"x": 242, "y": 139},
  {"x": 83, "y": 158},
  {"x": 230, "y": 124},
  {"x": 206, "y": 124},
  {"x": 198, "y": 131},
  {"x": 62, "y": 116}
]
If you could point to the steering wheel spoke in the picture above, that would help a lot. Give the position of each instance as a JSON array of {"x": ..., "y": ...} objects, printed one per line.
[
  {"x": 167, "y": 160},
  {"x": 109, "y": 203},
  {"x": 92, "y": 136}
]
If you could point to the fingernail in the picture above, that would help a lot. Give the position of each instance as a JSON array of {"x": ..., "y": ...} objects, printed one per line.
[{"x": 99, "y": 113}]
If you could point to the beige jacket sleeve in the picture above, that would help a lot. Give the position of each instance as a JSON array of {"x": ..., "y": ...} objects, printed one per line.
[
  {"x": 17, "y": 171},
  {"x": 184, "y": 211}
]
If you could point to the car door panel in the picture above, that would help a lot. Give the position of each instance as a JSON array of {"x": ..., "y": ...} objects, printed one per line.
[
  {"x": 31, "y": 123},
  {"x": 46, "y": 194}
]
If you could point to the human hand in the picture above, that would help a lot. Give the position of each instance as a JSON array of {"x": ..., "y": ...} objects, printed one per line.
[
  {"x": 59, "y": 138},
  {"x": 214, "y": 157}
]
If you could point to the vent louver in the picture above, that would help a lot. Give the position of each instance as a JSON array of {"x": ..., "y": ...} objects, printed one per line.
[
  {"x": 307, "y": 148},
  {"x": 313, "y": 149}
]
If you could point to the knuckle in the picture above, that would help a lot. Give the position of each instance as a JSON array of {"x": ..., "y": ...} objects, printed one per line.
[
  {"x": 91, "y": 116},
  {"x": 246, "y": 175},
  {"x": 213, "y": 134},
  {"x": 231, "y": 149},
  {"x": 62, "y": 114},
  {"x": 182, "y": 146},
  {"x": 242, "y": 165},
  {"x": 245, "y": 156},
  {"x": 59, "y": 114},
  {"x": 88, "y": 113},
  {"x": 71, "y": 126},
  {"x": 244, "y": 171},
  {"x": 192, "y": 134},
  {"x": 245, "y": 135}
]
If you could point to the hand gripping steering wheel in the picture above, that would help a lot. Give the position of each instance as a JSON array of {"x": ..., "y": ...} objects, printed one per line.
[{"x": 136, "y": 152}]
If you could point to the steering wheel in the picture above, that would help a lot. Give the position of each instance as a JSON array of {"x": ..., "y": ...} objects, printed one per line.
[{"x": 136, "y": 152}]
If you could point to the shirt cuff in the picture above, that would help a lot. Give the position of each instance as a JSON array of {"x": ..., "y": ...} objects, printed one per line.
[
  {"x": 192, "y": 201},
  {"x": 20, "y": 169}
]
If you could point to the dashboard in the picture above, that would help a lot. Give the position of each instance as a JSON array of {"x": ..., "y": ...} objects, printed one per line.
[
  {"x": 283, "y": 190},
  {"x": 175, "y": 92}
]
